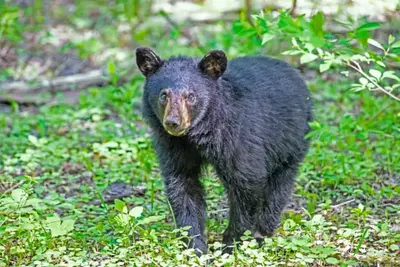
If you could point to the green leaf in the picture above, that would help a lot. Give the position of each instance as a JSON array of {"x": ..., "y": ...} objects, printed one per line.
[
  {"x": 357, "y": 89},
  {"x": 123, "y": 218},
  {"x": 320, "y": 52},
  {"x": 68, "y": 225},
  {"x": 363, "y": 135},
  {"x": 59, "y": 228},
  {"x": 394, "y": 247},
  {"x": 119, "y": 205},
  {"x": 53, "y": 219},
  {"x": 317, "y": 23},
  {"x": 315, "y": 125},
  {"x": 317, "y": 219},
  {"x": 363, "y": 81},
  {"x": 376, "y": 44},
  {"x": 360, "y": 207},
  {"x": 111, "y": 67},
  {"x": 331, "y": 260},
  {"x": 306, "y": 58},
  {"x": 375, "y": 73},
  {"x": 33, "y": 139},
  {"x": 294, "y": 42},
  {"x": 112, "y": 144},
  {"x": 292, "y": 52},
  {"x": 151, "y": 219},
  {"x": 380, "y": 63},
  {"x": 391, "y": 39},
  {"x": 56, "y": 230},
  {"x": 368, "y": 26},
  {"x": 396, "y": 45},
  {"x": 363, "y": 37},
  {"x": 19, "y": 195},
  {"x": 309, "y": 47},
  {"x": 289, "y": 224},
  {"x": 136, "y": 212},
  {"x": 324, "y": 67},
  {"x": 267, "y": 37},
  {"x": 390, "y": 75},
  {"x": 28, "y": 226},
  {"x": 287, "y": 24}
]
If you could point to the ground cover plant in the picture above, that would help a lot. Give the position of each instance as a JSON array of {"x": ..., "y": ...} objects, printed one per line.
[{"x": 80, "y": 184}]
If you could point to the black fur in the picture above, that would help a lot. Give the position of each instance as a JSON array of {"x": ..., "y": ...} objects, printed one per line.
[{"x": 249, "y": 124}]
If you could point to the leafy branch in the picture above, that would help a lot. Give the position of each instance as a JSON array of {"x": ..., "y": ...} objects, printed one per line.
[
  {"x": 356, "y": 66},
  {"x": 353, "y": 48}
]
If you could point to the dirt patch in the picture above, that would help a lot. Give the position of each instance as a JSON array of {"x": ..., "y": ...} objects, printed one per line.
[
  {"x": 119, "y": 190},
  {"x": 388, "y": 178},
  {"x": 72, "y": 168},
  {"x": 70, "y": 186},
  {"x": 75, "y": 178}
]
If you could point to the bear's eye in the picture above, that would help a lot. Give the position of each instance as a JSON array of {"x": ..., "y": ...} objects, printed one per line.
[
  {"x": 191, "y": 98},
  {"x": 163, "y": 97}
]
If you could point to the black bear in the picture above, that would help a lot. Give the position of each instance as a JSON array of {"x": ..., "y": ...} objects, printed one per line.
[{"x": 247, "y": 117}]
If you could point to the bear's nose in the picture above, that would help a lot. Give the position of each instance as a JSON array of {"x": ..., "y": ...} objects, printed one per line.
[{"x": 172, "y": 123}]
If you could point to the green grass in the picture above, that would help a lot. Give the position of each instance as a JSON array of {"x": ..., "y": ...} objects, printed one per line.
[{"x": 344, "y": 211}]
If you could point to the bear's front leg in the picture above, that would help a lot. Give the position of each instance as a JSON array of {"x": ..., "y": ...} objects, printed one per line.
[
  {"x": 185, "y": 194},
  {"x": 181, "y": 165}
]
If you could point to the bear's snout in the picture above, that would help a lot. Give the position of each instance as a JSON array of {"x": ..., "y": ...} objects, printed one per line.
[{"x": 176, "y": 119}]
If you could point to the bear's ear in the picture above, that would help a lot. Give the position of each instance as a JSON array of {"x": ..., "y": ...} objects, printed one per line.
[
  {"x": 214, "y": 64},
  {"x": 147, "y": 61}
]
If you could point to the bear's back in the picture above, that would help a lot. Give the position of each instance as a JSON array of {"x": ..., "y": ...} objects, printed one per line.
[
  {"x": 266, "y": 77},
  {"x": 270, "y": 85},
  {"x": 274, "y": 103}
]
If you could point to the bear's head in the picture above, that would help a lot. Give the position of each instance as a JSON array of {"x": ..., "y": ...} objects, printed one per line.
[{"x": 179, "y": 90}]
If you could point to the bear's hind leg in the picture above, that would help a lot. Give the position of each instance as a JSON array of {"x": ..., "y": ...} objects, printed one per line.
[
  {"x": 242, "y": 208},
  {"x": 276, "y": 196}
]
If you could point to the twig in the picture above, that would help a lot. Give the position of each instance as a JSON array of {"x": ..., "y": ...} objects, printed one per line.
[
  {"x": 13, "y": 187},
  {"x": 343, "y": 203},
  {"x": 249, "y": 9},
  {"x": 22, "y": 100},
  {"x": 293, "y": 9},
  {"x": 358, "y": 68},
  {"x": 78, "y": 80}
]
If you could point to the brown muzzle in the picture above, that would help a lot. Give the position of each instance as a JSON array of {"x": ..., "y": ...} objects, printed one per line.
[{"x": 176, "y": 119}]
